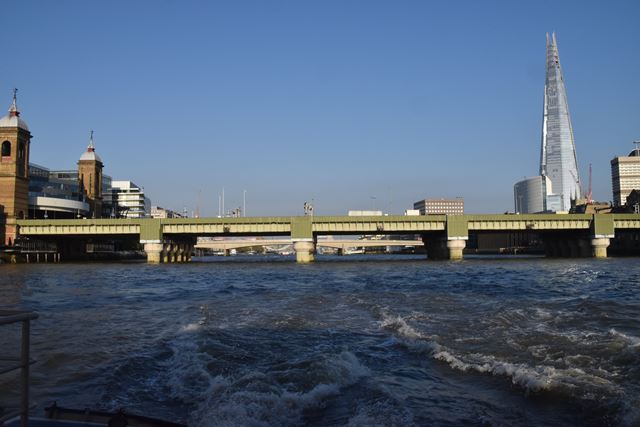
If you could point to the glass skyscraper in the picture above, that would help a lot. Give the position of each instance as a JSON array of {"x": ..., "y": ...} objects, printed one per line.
[
  {"x": 558, "y": 159},
  {"x": 559, "y": 182}
]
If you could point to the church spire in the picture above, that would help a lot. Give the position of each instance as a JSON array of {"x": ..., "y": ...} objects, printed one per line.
[
  {"x": 91, "y": 148},
  {"x": 13, "y": 110}
]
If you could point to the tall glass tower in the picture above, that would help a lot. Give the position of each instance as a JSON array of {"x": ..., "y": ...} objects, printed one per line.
[{"x": 558, "y": 159}]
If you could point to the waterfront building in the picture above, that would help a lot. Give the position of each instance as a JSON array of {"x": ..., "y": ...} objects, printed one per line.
[
  {"x": 55, "y": 195},
  {"x": 530, "y": 194},
  {"x": 558, "y": 159},
  {"x": 15, "y": 140},
  {"x": 90, "y": 179},
  {"x": 440, "y": 206},
  {"x": 625, "y": 176},
  {"x": 129, "y": 200}
]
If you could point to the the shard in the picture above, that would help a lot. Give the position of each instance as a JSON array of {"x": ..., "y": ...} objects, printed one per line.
[{"x": 558, "y": 159}]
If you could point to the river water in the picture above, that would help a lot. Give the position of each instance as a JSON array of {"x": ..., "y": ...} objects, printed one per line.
[{"x": 358, "y": 341}]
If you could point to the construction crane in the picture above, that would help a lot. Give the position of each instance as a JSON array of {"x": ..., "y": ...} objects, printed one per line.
[{"x": 589, "y": 191}]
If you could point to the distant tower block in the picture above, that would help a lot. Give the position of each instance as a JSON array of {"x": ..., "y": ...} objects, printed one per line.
[
  {"x": 90, "y": 176},
  {"x": 558, "y": 159},
  {"x": 14, "y": 172}
]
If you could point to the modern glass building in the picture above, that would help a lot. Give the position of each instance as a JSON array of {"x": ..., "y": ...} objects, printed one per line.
[
  {"x": 53, "y": 195},
  {"x": 57, "y": 194},
  {"x": 558, "y": 159},
  {"x": 530, "y": 194}
]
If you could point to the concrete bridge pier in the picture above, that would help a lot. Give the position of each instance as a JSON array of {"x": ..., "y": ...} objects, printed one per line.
[
  {"x": 599, "y": 246},
  {"x": 167, "y": 252},
  {"x": 439, "y": 248},
  {"x": 305, "y": 251},
  {"x": 154, "y": 251},
  {"x": 455, "y": 248}
]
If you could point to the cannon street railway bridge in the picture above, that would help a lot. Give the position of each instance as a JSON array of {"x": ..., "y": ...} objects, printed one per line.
[{"x": 444, "y": 236}]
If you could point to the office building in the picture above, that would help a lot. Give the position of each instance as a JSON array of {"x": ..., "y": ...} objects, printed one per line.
[
  {"x": 129, "y": 200},
  {"x": 625, "y": 176},
  {"x": 558, "y": 160},
  {"x": 440, "y": 206},
  {"x": 55, "y": 195},
  {"x": 530, "y": 193}
]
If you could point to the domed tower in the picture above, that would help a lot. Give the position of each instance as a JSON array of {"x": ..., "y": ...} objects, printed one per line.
[
  {"x": 14, "y": 171},
  {"x": 90, "y": 177}
]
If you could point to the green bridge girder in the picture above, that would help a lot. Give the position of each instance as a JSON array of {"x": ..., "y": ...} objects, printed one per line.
[{"x": 307, "y": 227}]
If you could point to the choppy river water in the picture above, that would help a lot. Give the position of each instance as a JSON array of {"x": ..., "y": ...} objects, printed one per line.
[{"x": 359, "y": 341}]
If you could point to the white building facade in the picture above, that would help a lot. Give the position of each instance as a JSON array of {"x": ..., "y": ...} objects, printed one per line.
[
  {"x": 129, "y": 200},
  {"x": 625, "y": 176}
]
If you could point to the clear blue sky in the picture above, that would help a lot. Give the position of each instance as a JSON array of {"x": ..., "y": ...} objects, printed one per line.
[{"x": 335, "y": 101}]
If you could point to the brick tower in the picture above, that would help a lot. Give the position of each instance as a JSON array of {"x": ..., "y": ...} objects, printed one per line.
[
  {"x": 14, "y": 172},
  {"x": 90, "y": 176}
]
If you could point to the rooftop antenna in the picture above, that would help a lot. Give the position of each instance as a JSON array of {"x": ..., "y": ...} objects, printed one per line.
[
  {"x": 589, "y": 191},
  {"x": 197, "y": 213}
]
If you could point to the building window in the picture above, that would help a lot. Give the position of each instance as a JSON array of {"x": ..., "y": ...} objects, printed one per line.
[{"x": 6, "y": 149}]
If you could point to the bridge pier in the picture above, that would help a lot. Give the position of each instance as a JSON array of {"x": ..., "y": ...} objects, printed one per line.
[
  {"x": 154, "y": 252},
  {"x": 305, "y": 251},
  {"x": 599, "y": 247},
  {"x": 439, "y": 248},
  {"x": 455, "y": 248},
  {"x": 167, "y": 252}
]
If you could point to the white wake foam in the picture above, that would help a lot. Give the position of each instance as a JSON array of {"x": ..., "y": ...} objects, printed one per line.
[
  {"x": 259, "y": 399},
  {"x": 530, "y": 378}
]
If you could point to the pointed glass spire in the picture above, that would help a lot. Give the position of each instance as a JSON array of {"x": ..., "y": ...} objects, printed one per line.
[{"x": 558, "y": 159}]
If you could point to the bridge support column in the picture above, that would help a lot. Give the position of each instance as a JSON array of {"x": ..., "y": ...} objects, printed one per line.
[
  {"x": 305, "y": 250},
  {"x": 455, "y": 248},
  {"x": 599, "y": 247},
  {"x": 167, "y": 253},
  {"x": 443, "y": 248},
  {"x": 154, "y": 252},
  {"x": 179, "y": 252}
]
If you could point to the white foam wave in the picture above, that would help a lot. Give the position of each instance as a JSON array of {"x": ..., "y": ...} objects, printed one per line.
[
  {"x": 630, "y": 339},
  {"x": 191, "y": 327},
  {"x": 531, "y": 378},
  {"x": 259, "y": 399}
]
